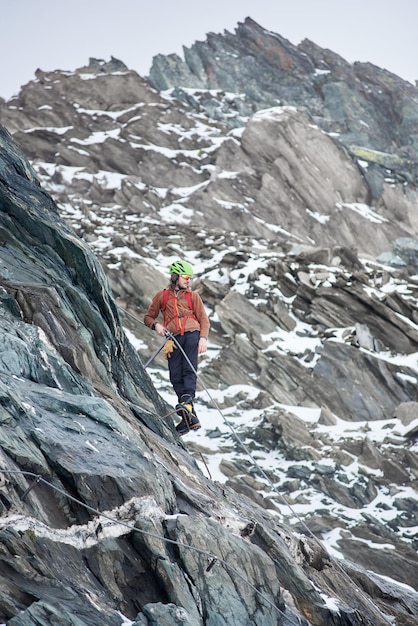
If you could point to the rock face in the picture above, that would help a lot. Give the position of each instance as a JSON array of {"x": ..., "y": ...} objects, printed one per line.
[
  {"x": 119, "y": 519},
  {"x": 362, "y": 104},
  {"x": 281, "y": 176},
  {"x": 306, "y": 259}
]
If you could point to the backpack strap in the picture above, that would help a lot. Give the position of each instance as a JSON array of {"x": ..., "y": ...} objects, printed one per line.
[
  {"x": 165, "y": 299},
  {"x": 181, "y": 326},
  {"x": 166, "y": 294},
  {"x": 189, "y": 299}
]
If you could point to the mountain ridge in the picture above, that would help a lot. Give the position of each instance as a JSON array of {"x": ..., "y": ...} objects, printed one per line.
[{"x": 306, "y": 76}]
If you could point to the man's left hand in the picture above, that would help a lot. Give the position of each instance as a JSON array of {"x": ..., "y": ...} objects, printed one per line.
[{"x": 203, "y": 345}]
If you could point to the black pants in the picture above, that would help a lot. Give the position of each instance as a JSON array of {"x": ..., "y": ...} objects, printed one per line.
[{"x": 182, "y": 375}]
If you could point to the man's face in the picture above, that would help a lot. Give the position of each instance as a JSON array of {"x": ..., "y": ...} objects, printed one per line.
[{"x": 184, "y": 281}]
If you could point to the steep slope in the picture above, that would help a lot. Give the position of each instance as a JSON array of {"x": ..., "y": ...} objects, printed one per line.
[
  {"x": 104, "y": 515},
  {"x": 313, "y": 346}
]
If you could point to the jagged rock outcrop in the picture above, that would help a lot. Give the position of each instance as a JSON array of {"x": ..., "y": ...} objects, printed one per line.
[
  {"x": 281, "y": 177},
  {"x": 364, "y": 105}
]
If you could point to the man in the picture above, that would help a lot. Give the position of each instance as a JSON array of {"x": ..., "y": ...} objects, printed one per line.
[{"x": 184, "y": 316}]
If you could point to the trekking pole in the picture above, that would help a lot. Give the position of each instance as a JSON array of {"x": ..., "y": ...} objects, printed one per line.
[{"x": 156, "y": 353}]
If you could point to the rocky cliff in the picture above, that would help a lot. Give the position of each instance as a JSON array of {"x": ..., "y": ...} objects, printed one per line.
[
  {"x": 368, "y": 109},
  {"x": 296, "y": 502}
]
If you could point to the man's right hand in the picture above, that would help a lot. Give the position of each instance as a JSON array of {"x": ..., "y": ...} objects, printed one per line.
[{"x": 160, "y": 330}]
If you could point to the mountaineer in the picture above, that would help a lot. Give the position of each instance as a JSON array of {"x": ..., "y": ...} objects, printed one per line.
[{"x": 185, "y": 318}]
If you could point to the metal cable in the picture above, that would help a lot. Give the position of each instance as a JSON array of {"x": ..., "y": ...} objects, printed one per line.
[
  {"x": 263, "y": 473},
  {"x": 213, "y": 557}
]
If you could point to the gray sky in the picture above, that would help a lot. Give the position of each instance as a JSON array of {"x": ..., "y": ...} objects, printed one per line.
[{"x": 61, "y": 34}]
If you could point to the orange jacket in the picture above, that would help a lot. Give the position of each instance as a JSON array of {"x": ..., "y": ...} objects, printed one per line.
[{"x": 178, "y": 317}]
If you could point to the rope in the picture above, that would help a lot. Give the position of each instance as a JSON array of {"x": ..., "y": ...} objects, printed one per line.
[
  {"x": 213, "y": 557},
  {"x": 263, "y": 473},
  {"x": 230, "y": 426}
]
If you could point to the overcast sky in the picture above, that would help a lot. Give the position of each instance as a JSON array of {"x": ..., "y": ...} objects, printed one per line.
[{"x": 64, "y": 34}]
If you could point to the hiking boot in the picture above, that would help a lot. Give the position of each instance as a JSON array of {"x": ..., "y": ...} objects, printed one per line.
[
  {"x": 194, "y": 423},
  {"x": 183, "y": 409},
  {"x": 186, "y": 398},
  {"x": 185, "y": 406},
  {"x": 189, "y": 419},
  {"x": 182, "y": 427},
  {"x": 185, "y": 426}
]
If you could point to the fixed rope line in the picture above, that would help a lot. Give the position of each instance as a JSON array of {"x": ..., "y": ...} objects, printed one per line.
[
  {"x": 263, "y": 473},
  {"x": 230, "y": 426},
  {"x": 38, "y": 478},
  {"x": 265, "y": 476}
]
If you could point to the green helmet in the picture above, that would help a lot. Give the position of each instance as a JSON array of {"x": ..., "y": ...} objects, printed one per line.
[{"x": 181, "y": 267}]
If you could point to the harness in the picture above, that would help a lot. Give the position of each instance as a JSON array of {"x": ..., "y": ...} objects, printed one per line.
[{"x": 181, "y": 320}]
